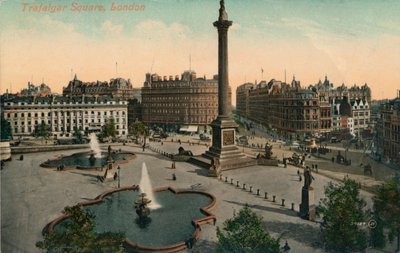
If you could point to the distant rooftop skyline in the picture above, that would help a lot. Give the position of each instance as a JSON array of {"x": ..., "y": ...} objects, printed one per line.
[{"x": 352, "y": 42}]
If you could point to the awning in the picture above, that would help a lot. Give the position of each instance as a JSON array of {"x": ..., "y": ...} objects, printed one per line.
[
  {"x": 189, "y": 129},
  {"x": 193, "y": 128}
]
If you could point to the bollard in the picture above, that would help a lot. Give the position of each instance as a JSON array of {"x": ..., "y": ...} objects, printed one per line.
[
  {"x": 283, "y": 202},
  {"x": 251, "y": 188},
  {"x": 273, "y": 198},
  {"x": 237, "y": 183},
  {"x": 244, "y": 186},
  {"x": 231, "y": 180},
  {"x": 292, "y": 206},
  {"x": 266, "y": 195},
  {"x": 258, "y": 192},
  {"x": 226, "y": 179}
]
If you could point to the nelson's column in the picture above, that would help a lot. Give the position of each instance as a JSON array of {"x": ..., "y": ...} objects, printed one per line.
[{"x": 223, "y": 146}]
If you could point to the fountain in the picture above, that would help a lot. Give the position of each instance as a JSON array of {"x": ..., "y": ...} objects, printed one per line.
[
  {"x": 94, "y": 145},
  {"x": 167, "y": 229},
  {"x": 145, "y": 187},
  {"x": 91, "y": 160}
]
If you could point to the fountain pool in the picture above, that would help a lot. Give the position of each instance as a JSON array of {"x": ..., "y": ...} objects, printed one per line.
[{"x": 173, "y": 224}]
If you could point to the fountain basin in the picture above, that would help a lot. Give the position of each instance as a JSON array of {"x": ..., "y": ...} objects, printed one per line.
[
  {"x": 81, "y": 160},
  {"x": 171, "y": 227}
]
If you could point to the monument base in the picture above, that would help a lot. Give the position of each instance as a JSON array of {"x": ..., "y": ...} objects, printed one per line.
[
  {"x": 223, "y": 148},
  {"x": 307, "y": 206}
]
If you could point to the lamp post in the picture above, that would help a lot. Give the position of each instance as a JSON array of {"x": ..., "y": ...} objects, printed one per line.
[{"x": 119, "y": 176}]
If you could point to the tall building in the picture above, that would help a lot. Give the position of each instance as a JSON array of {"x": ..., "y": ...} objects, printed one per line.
[
  {"x": 187, "y": 102},
  {"x": 116, "y": 88},
  {"x": 296, "y": 111},
  {"x": 242, "y": 98},
  {"x": 291, "y": 110},
  {"x": 64, "y": 114},
  {"x": 388, "y": 131},
  {"x": 359, "y": 100}
]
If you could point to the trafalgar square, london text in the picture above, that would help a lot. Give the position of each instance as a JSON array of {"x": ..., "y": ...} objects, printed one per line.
[{"x": 77, "y": 7}]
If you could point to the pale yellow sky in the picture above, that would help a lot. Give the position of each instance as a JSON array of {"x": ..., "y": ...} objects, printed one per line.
[{"x": 48, "y": 47}]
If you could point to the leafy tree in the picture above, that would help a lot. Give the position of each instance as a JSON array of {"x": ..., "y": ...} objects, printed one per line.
[
  {"x": 42, "y": 131},
  {"x": 109, "y": 129},
  {"x": 244, "y": 233},
  {"x": 79, "y": 235},
  {"x": 77, "y": 134},
  {"x": 342, "y": 210},
  {"x": 387, "y": 210},
  {"x": 139, "y": 129},
  {"x": 5, "y": 128}
]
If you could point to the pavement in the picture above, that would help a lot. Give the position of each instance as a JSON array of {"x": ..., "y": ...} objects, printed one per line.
[{"x": 32, "y": 196}]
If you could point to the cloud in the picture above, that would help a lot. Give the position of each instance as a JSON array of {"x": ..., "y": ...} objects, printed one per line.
[
  {"x": 151, "y": 28},
  {"x": 111, "y": 28},
  {"x": 236, "y": 26}
]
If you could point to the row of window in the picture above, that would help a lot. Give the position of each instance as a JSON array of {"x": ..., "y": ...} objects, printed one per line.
[{"x": 16, "y": 114}]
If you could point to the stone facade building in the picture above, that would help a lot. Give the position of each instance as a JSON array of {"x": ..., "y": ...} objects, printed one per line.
[
  {"x": 315, "y": 110},
  {"x": 356, "y": 100},
  {"x": 293, "y": 111},
  {"x": 64, "y": 114},
  {"x": 388, "y": 131},
  {"x": 116, "y": 88},
  {"x": 187, "y": 102}
]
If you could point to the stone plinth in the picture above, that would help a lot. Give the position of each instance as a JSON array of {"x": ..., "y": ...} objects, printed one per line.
[{"x": 307, "y": 206}]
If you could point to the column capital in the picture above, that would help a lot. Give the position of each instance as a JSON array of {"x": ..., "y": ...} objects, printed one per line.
[{"x": 222, "y": 24}]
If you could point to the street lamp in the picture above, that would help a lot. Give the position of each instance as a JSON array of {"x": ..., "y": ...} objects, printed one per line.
[{"x": 119, "y": 176}]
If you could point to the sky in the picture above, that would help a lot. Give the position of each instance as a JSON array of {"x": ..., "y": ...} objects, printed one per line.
[{"x": 352, "y": 41}]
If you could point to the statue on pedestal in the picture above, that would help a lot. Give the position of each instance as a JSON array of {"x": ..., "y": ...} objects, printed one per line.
[
  {"x": 268, "y": 151},
  {"x": 215, "y": 168},
  {"x": 307, "y": 206}
]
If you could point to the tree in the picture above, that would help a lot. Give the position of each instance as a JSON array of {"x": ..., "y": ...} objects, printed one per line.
[
  {"x": 77, "y": 134},
  {"x": 343, "y": 211},
  {"x": 42, "y": 131},
  {"x": 138, "y": 129},
  {"x": 5, "y": 128},
  {"x": 387, "y": 211},
  {"x": 79, "y": 236},
  {"x": 109, "y": 129},
  {"x": 245, "y": 233}
]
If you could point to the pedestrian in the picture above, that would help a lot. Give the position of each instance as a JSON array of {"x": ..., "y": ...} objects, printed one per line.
[
  {"x": 300, "y": 178},
  {"x": 173, "y": 165},
  {"x": 298, "y": 172},
  {"x": 173, "y": 176},
  {"x": 316, "y": 168},
  {"x": 333, "y": 159},
  {"x": 143, "y": 147},
  {"x": 162, "y": 143}
]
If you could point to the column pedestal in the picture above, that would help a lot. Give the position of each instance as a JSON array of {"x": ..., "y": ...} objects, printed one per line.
[{"x": 307, "y": 206}]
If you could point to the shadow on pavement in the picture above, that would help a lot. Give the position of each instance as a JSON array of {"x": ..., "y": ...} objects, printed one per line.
[
  {"x": 203, "y": 246},
  {"x": 298, "y": 232},
  {"x": 278, "y": 209}
]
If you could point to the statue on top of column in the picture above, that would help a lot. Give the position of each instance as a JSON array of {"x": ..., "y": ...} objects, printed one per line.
[{"x": 222, "y": 13}]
